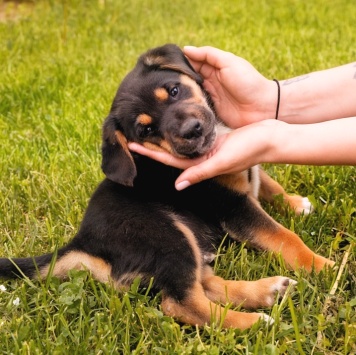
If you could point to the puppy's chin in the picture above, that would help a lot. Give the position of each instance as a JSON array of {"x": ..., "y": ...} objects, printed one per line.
[
  {"x": 187, "y": 151},
  {"x": 168, "y": 149}
]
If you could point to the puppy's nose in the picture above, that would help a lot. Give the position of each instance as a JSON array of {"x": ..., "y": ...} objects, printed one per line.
[{"x": 191, "y": 128}]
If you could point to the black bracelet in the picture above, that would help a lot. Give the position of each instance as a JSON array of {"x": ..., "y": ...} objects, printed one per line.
[{"x": 278, "y": 98}]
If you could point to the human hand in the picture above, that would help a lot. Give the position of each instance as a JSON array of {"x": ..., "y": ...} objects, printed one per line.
[
  {"x": 241, "y": 95},
  {"x": 232, "y": 152}
]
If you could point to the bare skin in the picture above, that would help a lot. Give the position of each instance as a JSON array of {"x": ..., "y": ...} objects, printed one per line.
[{"x": 311, "y": 128}]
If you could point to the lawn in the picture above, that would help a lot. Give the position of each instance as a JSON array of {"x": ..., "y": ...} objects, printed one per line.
[{"x": 60, "y": 65}]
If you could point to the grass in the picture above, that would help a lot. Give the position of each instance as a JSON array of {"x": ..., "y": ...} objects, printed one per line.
[{"x": 61, "y": 62}]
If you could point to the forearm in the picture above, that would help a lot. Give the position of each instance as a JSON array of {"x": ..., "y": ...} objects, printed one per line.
[
  {"x": 319, "y": 96},
  {"x": 327, "y": 143}
]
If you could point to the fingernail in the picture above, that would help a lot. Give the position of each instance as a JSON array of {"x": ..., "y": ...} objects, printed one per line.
[
  {"x": 189, "y": 47},
  {"x": 182, "y": 185}
]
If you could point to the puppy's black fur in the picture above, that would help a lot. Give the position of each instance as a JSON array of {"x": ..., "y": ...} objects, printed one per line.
[{"x": 138, "y": 225}]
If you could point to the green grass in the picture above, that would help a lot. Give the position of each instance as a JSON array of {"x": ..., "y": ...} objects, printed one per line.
[{"x": 61, "y": 62}]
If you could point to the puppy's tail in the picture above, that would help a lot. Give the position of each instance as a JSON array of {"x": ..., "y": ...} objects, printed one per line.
[
  {"x": 56, "y": 264},
  {"x": 31, "y": 267}
]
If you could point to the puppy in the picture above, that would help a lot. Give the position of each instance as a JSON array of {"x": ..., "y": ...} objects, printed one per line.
[{"x": 138, "y": 225}]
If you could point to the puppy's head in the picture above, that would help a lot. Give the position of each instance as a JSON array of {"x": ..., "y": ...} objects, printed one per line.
[{"x": 162, "y": 105}]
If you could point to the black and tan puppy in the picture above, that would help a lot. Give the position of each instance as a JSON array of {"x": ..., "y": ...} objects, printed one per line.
[{"x": 138, "y": 225}]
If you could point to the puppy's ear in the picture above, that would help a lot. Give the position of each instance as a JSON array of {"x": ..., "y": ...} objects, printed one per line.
[
  {"x": 170, "y": 57},
  {"x": 117, "y": 162}
]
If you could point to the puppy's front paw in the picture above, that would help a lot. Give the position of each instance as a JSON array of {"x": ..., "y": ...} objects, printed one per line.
[
  {"x": 263, "y": 292},
  {"x": 320, "y": 263},
  {"x": 301, "y": 205}
]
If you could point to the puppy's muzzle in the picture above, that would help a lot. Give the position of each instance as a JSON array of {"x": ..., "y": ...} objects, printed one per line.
[
  {"x": 191, "y": 129},
  {"x": 193, "y": 137}
]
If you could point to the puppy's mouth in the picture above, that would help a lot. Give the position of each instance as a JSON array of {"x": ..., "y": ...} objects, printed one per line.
[
  {"x": 194, "y": 144},
  {"x": 183, "y": 147}
]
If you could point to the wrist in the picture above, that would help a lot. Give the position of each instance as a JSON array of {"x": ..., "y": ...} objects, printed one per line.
[
  {"x": 270, "y": 102},
  {"x": 291, "y": 105},
  {"x": 276, "y": 136},
  {"x": 261, "y": 108}
]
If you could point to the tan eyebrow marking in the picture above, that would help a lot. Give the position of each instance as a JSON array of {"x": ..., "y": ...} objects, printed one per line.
[
  {"x": 144, "y": 119},
  {"x": 161, "y": 94},
  {"x": 196, "y": 90}
]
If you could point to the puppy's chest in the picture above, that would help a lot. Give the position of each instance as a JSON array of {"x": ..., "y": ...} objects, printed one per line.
[{"x": 247, "y": 182}]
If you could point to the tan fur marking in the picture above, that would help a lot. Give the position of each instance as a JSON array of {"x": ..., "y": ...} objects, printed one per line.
[
  {"x": 240, "y": 182},
  {"x": 236, "y": 182},
  {"x": 279, "y": 239},
  {"x": 198, "y": 96},
  {"x": 270, "y": 188},
  {"x": 153, "y": 60},
  {"x": 161, "y": 61},
  {"x": 166, "y": 146},
  {"x": 100, "y": 270},
  {"x": 121, "y": 139},
  {"x": 197, "y": 309},
  {"x": 144, "y": 119},
  {"x": 293, "y": 250},
  {"x": 163, "y": 147},
  {"x": 193, "y": 244},
  {"x": 172, "y": 66},
  {"x": 161, "y": 94},
  {"x": 249, "y": 294}
]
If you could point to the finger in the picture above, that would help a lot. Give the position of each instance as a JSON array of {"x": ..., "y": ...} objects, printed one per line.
[
  {"x": 163, "y": 157},
  {"x": 210, "y": 55},
  {"x": 196, "y": 54},
  {"x": 199, "y": 59},
  {"x": 200, "y": 54},
  {"x": 196, "y": 173},
  {"x": 205, "y": 69}
]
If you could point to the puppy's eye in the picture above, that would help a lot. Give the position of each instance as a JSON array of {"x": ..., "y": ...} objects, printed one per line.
[
  {"x": 146, "y": 130},
  {"x": 174, "y": 91}
]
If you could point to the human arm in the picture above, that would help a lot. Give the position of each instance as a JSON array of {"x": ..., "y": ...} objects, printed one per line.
[
  {"x": 269, "y": 141},
  {"x": 242, "y": 95}
]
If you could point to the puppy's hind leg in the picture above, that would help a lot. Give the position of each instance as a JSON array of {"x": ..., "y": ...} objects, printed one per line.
[
  {"x": 196, "y": 309},
  {"x": 184, "y": 298}
]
